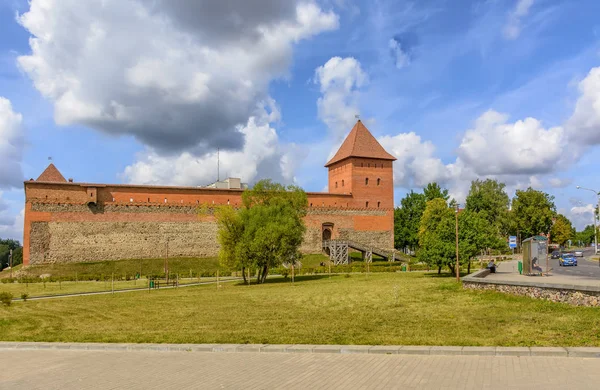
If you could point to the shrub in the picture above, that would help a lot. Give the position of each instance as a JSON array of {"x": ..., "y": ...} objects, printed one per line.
[
  {"x": 24, "y": 296},
  {"x": 6, "y": 298}
]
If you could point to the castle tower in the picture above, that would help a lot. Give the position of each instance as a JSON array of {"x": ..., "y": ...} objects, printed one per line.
[{"x": 362, "y": 167}]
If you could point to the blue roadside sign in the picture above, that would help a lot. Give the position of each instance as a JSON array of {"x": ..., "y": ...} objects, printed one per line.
[{"x": 512, "y": 241}]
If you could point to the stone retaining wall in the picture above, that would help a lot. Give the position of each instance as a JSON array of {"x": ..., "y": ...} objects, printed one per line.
[{"x": 572, "y": 297}]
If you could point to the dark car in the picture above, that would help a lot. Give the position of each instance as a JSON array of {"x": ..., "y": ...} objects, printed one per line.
[{"x": 556, "y": 255}]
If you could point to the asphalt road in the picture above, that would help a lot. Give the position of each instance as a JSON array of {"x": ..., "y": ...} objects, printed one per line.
[{"x": 585, "y": 268}]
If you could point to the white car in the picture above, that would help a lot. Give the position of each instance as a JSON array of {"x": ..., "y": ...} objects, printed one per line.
[{"x": 578, "y": 253}]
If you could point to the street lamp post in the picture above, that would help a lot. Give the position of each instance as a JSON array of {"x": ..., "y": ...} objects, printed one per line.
[
  {"x": 594, "y": 213},
  {"x": 457, "y": 263}
]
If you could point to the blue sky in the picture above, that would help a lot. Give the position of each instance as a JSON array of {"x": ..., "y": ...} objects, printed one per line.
[{"x": 121, "y": 91}]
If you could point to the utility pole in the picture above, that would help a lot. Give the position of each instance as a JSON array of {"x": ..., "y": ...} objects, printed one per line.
[
  {"x": 10, "y": 262},
  {"x": 457, "y": 263}
]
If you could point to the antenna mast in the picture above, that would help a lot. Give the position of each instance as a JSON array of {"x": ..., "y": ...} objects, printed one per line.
[{"x": 218, "y": 166}]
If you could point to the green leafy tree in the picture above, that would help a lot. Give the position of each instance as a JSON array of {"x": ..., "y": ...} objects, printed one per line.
[
  {"x": 488, "y": 199},
  {"x": 17, "y": 256},
  {"x": 4, "y": 251},
  {"x": 434, "y": 191},
  {"x": 267, "y": 231},
  {"x": 407, "y": 218},
  {"x": 230, "y": 230},
  {"x": 562, "y": 230},
  {"x": 586, "y": 236},
  {"x": 476, "y": 233},
  {"x": 5, "y": 246},
  {"x": 437, "y": 236},
  {"x": 532, "y": 212}
]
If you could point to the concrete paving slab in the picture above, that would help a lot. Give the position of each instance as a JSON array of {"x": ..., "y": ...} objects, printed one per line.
[
  {"x": 203, "y": 347},
  {"x": 356, "y": 349},
  {"x": 225, "y": 347},
  {"x": 479, "y": 351},
  {"x": 328, "y": 348},
  {"x": 147, "y": 347},
  {"x": 450, "y": 350},
  {"x": 250, "y": 347},
  {"x": 275, "y": 348},
  {"x": 414, "y": 350},
  {"x": 300, "y": 348},
  {"x": 584, "y": 352},
  {"x": 513, "y": 351},
  {"x": 385, "y": 349},
  {"x": 179, "y": 347},
  {"x": 549, "y": 351}
]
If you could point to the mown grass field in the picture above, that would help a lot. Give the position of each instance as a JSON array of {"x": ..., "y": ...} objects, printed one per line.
[
  {"x": 69, "y": 287},
  {"x": 384, "y": 308}
]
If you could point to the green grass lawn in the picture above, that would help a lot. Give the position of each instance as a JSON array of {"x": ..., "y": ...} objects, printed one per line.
[
  {"x": 184, "y": 266},
  {"x": 384, "y": 308},
  {"x": 70, "y": 287}
]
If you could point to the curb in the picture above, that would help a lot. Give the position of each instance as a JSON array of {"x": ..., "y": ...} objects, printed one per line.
[{"x": 581, "y": 352}]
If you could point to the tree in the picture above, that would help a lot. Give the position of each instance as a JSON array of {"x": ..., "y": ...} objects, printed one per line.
[
  {"x": 586, "y": 236},
  {"x": 437, "y": 245},
  {"x": 433, "y": 191},
  {"x": 475, "y": 234},
  {"x": 562, "y": 230},
  {"x": 407, "y": 218},
  {"x": 267, "y": 231},
  {"x": 532, "y": 212},
  {"x": 230, "y": 230},
  {"x": 5, "y": 246},
  {"x": 490, "y": 201}
]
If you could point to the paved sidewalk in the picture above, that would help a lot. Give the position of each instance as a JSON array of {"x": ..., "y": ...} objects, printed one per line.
[
  {"x": 507, "y": 273},
  {"x": 79, "y": 369}
]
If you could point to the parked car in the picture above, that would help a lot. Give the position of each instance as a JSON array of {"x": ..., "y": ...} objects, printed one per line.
[
  {"x": 555, "y": 255},
  {"x": 567, "y": 259},
  {"x": 578, "y": 253}
]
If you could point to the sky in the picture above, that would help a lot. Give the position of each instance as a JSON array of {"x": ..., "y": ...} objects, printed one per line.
[{"x": 147, "y": 92}]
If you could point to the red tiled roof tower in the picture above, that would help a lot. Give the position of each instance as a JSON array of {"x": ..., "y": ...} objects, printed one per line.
[
  {"x": 52, "y": 174},
  {"x": 360, "y": 143}
]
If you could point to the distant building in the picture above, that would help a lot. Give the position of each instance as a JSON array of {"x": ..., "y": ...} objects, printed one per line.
[{"x": 231, "y": 183}]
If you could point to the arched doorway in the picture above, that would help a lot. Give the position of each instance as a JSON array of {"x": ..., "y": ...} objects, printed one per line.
[{"x": 326, "y": 234}]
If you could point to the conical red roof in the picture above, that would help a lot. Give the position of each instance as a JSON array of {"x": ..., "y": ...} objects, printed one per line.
[
  {"x": 360, "y": 143},
  {"x": 52, "y": 174}
]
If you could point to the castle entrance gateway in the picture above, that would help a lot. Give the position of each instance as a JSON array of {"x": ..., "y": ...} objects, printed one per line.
[{"x": 327, "y": 230}]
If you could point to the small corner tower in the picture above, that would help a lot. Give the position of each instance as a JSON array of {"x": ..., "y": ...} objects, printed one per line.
[{"x": 363, "y": 168}]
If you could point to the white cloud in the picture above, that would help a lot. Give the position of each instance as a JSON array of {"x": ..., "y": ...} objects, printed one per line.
[
  {"x": 584, "y": 125},
  {"x": 11, "y": 226},
  {"x": 581, "y": 215},
  {"x": 340, "y": 80},
  {"x": 178, "y": 75},
  {"x": 416, "y": 165},
  {"x": 11, "y": 145},
  {"x": 557, "y": 182},
  {"x": 497, "y": 147},
  {"x": 261, "y": 157},
  {"x": 513, "y": 26},
  {"x": 401, "y": 58}
]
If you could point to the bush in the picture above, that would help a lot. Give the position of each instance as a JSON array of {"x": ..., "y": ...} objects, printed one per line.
[
  {"x": 24, "y": 296},
  {"x": 6, "y": 298}
]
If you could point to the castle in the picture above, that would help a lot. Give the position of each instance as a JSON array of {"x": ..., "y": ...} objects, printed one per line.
[{"x": 67, "y": 221}]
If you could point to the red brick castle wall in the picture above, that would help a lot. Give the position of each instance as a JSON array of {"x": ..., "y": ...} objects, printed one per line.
[{"x": 73, "y": 222}]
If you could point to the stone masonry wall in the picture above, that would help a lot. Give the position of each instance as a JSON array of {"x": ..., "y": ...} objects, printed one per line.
[
  {"x": 62, "y": 232},
  {"x": 572, "y": 297}
]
